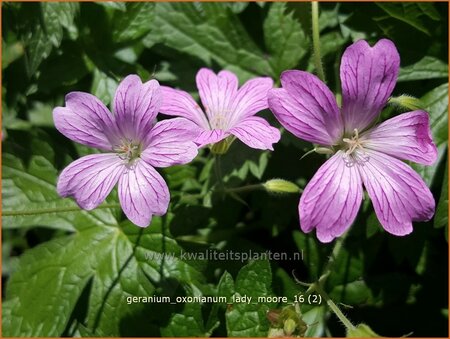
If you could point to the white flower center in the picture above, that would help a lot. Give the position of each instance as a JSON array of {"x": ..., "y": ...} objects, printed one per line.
[
  {"x": 354, "y": 150},
  {"x": 219, "y": 121},
  {"x": 128, "y": 150}
]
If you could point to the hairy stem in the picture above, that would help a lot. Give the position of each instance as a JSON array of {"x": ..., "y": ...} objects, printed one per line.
[
  {"x": 316, "y": 40},
  {"x": 336, "y": 310},
  {"x": 244, "y": 188}
]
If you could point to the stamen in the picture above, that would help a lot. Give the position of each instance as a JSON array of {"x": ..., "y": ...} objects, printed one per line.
[
  {"x": 128, "y": 150},
  {"x": 350, "y": 146}
]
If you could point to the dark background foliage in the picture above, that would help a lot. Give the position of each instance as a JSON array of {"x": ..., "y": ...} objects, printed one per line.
[{"x": 68, "y": 272}]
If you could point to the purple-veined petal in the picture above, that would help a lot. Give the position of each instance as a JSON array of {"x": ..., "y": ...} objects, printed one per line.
[
  {"x": 331, "y": 200},
  {"x": 90, "y": 179},
  {"x": 368, "y": 76},
  {"x": 217, "y": 93},
  {"x": 86, "y": 120},
  {"x": 250, "y": 99},
  {"x": 180, "y": 103},
  {"x": 142, "y": 193},
  {"x": 306, "y": 108},
  {"x": 406, "y": 136},
  {"x": 136, "y": 106},
  {"x": 171, "y": 142},
  {"x": 208, "y": 137},
  {"x": 399, "y": 195},
  {"x": 256, "y": 133}
]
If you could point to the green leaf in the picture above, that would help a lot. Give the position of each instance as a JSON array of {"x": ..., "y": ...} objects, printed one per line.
[
  {"x": 436, "y": 103},
  {"x": 41, "y": 114},
  {"x": 134, "y": 23},
  {"x": 284, "y": 38},
  {"x": 441, "y": 216},
  {"x": 249, "y": 319},
  {"x": 103, "y": 87},
  {"x": 30, "y": 198},
  {"x": 411, "y": 13},
  {"x": 37, "y": 48},
  {"x": 115, "y": 5},
  {"x": 57, "y": 15},
  {"x": 315, "y": 319},
  {"x": 11, "y": 52},
  {"x": 426, "y": 68},
  {"x": 210, "y": 32},
  {"x": 127, "y": 262},
  {"x": 189, "y": 322}
]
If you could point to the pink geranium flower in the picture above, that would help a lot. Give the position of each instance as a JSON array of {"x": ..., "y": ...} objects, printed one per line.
[
  {"x": 229, "y": 111},
  {"x": 363, "y": 153},
  {"x": 134, "y": 146}
]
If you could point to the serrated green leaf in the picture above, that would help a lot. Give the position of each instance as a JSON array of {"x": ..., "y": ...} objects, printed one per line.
[
  {"x": 249, "y": 319},
  {"x": 29, "y": 198},
  {"x": 284, "y": 38},
  {"x": 134, "y": 23},
  {"x": 37, "y": 48},
  {"x": 57, "y": 15},
  {"x": 210, "y": 32},
  {"x": 411, "y": 13},
  {"x": 426, "y": 68},
  {"x": 127, "y": 262}
]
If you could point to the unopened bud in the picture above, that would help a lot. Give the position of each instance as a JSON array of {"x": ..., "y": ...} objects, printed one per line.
[
  {"x": 274, "y": 317},
  {"x": 289, "y": 327},
  {"x": 281, "y": 186},
  {"x": 323, "y": 150},
  {"x": 406, "y": 101}
]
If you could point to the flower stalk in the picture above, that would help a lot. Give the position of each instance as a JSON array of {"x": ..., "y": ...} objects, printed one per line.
[{"x": 316, "y": 40}]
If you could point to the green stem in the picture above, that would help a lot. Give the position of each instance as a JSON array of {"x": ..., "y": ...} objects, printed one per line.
[
  {"x": 244, "y": 188},
  {"x": 51, "y": 210},
  {"x": 336, "y": 310},
  {"x": 316, "y": 40},
  {"x": 332, "y": 259},
  {"x": 218, "y": 170}
]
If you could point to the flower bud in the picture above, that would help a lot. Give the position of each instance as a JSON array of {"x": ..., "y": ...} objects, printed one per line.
[
  {"x": 289, "y": 327},
  {"x": 281, "y": 186},
  {"x": 406, "y": 101}
]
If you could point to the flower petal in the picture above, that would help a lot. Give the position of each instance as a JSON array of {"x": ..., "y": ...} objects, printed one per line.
[
  {"x": 331, "y": 199},
  {"x": 368, "y": 76},
  {"x": 90, "y": 179},
  {"x": 406, "y": 136},
  {"x": 256, "y": 133},
  {"x": 250, "y": 99},
  {"x": 171, "y": 142},
  {"x": 136, "y": 106},
  {"x": 142, "y": 193},
  {"x": 180, "y": 103},
  {"x": 217, "y": 93},
  {"x": 399, "y": 195},
  {"x": 306, "y": 108},
  {"x": 86, "y": 120},
  {"x": 209, "y": 137}
]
